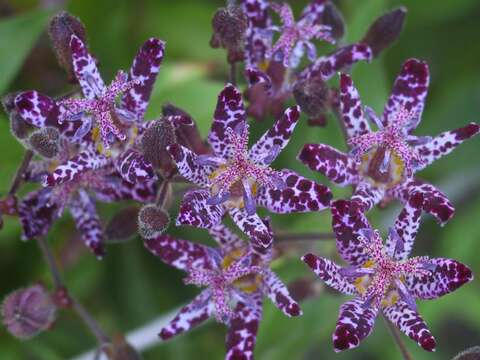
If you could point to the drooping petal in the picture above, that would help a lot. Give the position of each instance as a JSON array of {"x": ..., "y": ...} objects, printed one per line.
[
  {"x": 111, "y": 188},
  {"x": 145, "y": 68},
  {"x": 88, "y": 223},
  {"x": 313, "y": 12},
  {"x": 251, "y": 225},
  {"x": 366, "y": 196},
  {"x": 195, "y": 313},
  {"x": 258, "y": 38},
  {"x": 334, "y": 164},
  {"x": 85, "y": 69},
  {"x": 328, "y": 66},
  {"x": 447, "y": 276},
  {"x": 133, "y": 167},
  {"x": 434, "y": 201},
  {"x": 195, "y": 211},
  {"x": 276, "y": 138},
  {"x": 277, "y": 292},
  {"x": 255, "y": 76},
  {"x": 409, "y": 92},
  {"x": 347, "y": 220},
  {"x": 328, "y": 271},
  {"x": 188, "y": 165},
  {"x": 411, "y": 324},
  {"x": 351, "y": 108},
  {"x": 226, "y": 238},
  {"x": 300, "y": 195},
  {"x": 242, "y": 330},
  {"x": 36, "y": 109},
  {"x": 37, "y": 212},
  {"x": 445, "y": 143},
  {"x": 228, "y": 114},
  {"x": 355, "y": 323},
  {"x": 73, "y": 168},
  {"x": 406, "y": 226},
  {"x": 181, "y": 254}
]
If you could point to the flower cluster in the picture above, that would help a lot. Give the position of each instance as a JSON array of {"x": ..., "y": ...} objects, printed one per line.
[{"x": 95, "y": 145}]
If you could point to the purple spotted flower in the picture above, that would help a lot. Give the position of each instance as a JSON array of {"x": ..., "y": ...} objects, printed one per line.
[
  {"x": 236, "y": 179},
  {"x": 382, "y": 277},
  {"x": 381, "y": 163},
  {"x": 237, "y": 277}
]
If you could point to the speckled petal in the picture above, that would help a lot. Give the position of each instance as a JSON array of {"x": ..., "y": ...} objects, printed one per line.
[
  {"x": 277, "y": 292},
  {"x": 411, "y": 324},
  {"x": 409, "y": 92},
  {"x": 226, "y": 238},
  {"x": 255, "y": 76},
  {"x": 133, "y": 167},
  {"x": 278, "y": 136},
  {"x": 445, "y": 143},
  {"x": 334, "y": 164},
  {"x": 347, "y": 220},
  {"x": 195, "y": 211},
  {"x": 188, "y": 165},
  {"x": 366, "y": 196},
  {"x": 242, "y": 330},
  {"x": 327, "y": 270},
  {"x": 258, "y": 39},
  {"x": 355, "y": 322},
  {"x": 251, "y": 225},
  {"x": 195, "y": 313},
  {"x": 314, "y": 11},
  {"x": 351, "y": 108},
  {"x": 88, "y": 223},
  {"x": 85, "y": 69},
  {"x": 447, "y": 277},
  {"x": 73, "y": 168},
  {"x": 114, "y": 188},
  {"x": 36, "y": 109},
  {"x": 145, "y": 68},
  {"x": 300, "y": 195},
  {"x": 328, "y": 66},
  {"x": 228, "y": 114}
]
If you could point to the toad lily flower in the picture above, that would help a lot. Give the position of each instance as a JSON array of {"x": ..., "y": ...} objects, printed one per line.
[
  {"x": 382, "y": 277},
  {"x": 237, "y": 278},
  {"x": 296, "y": 37},
  {"x": 236, "y": 179},
  {"x": 381, "y": 164}
]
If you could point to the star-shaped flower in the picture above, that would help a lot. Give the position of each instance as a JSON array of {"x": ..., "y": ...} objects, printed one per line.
[
  {"x": 382, "y": 277},
  {"x": 237, "y": 179},
  {"x": 381, "y": 163},
  {"x": 237, "y": 277}
]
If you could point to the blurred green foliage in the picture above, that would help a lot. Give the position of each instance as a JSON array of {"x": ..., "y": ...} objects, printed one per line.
[{"x": 131, "y": 287}]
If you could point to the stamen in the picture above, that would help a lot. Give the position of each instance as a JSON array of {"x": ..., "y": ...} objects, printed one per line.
[
  {"x": 210, "y": 160},
  {"x": 418, "y": 140},
  {"x": 218, "y": 199},
  {"x": 405, "y": 295},
  {"x": 248, "y": 199},
  {"x": 385, "y": 165},
  {"x": 373, "y": 117},
  {"x": 274, "y": 151},
  {"x": 92, "y": 82},
  {"x": 353, "y": 272},
  {"x": 399, "y": 243}
]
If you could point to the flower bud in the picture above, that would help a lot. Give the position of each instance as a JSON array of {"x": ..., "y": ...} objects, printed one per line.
[
  {"x": 123, "y": 225},
  {"x": 153, "y": 145},
  {"x": 333, "y": 18},
  {"x": 19, "y": 128},
  {"x": 62, "y": 27},
  {"x": 312, "y": 95},
  {"x": 229, "y": 27},
  {"x": 385, "y": 30},
  {"x": 27, "y": 312},
  {"x": 304, "y": 288},
  {"x": 45, "y": 142},
  {"x": 152, "y": 221},
  {"x": 9, "y": 205},
  {"x": 120, "y": 349},
  {"x": 472, "y": 353}
]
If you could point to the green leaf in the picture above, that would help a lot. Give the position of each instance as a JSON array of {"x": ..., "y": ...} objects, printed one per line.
[{"x": 17, "y": 37}]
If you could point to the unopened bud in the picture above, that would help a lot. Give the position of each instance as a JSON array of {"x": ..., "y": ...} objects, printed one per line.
[
  {"x": 62, "y": 27},
  {"x": 45, "y": 142},
  {"x": 120, "y": 349},
  {"x": 312, "y": 95},
  {"x": 152, "y": 221},
  {"x": 154, "y": 144},
  {"x": 9, "y": 205},
  {"x": 123, "y": 225},
  {"x": 229, "y": 27},
  {"x": 27, "y": 312},
  {"x": 333, "y": 18},
  {"x": 303, "y": 289},
  {"x": 472, "y": 353},
  {"x": 18, "y": 126},
  {"x": 385, "y": 30}
]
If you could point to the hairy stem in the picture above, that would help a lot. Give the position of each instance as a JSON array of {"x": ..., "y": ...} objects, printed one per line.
[
  {"x": 304, "y": 236},
  {"x": 398, "y": 340},
  {"x": 17, "y": 180}
]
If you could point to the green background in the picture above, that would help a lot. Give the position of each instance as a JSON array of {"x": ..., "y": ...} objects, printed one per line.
[{"x": 130, "y": 287}]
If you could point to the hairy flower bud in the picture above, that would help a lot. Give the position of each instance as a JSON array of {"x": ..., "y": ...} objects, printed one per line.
[
  {"x": 120, "y": 349},
  {"x": 123, "y": 225},
  {"x": 312, "y": 95},
  {"x": 62, "y": 27},
  {"x": 385, "y": 30},
  {"x": 45, "y": 142},
  {"x": 153, "y": 145},
  {"x": 27, "y": 312},
  {"x": 229, "y": 27},
  {"x": 152, "y": 221},
  {"x": 472, "y": 353},
  {"x": 18, "y": 126},
  {"x": 333, "y": 18}
]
